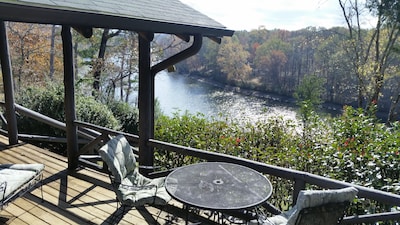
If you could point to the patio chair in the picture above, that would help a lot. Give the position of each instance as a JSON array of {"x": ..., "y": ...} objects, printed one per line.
[
  {"x": 131, "y": 188},
  {"x": 17, "y": 179},
  {"x": 315, "y": 207}
]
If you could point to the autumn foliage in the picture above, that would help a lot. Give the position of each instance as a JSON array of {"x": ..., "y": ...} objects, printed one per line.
[{"x": 30, "y": 49}]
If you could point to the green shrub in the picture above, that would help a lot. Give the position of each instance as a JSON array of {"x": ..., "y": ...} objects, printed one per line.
[
  {"x": 49, "y": 101},
  {"x": 354, "y": 147},
  {"x": 127, "y": 116},
  {"x": 91, "y": 111},
  {"x": 273, "y": 141},
  {"x": 367, "y": 151}
]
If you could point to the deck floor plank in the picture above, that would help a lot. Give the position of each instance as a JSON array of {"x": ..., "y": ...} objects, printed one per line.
[{"x": 81, "y": 197}]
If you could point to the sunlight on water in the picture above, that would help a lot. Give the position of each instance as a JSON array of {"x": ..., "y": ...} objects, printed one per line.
[{"x": 179, "y": 93}]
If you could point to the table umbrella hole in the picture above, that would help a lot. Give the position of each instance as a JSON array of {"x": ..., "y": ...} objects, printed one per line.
[{"x": 218, "y": 181}]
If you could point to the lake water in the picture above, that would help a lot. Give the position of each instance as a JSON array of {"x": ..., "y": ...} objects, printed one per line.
[{"x": 180, "y": 93}]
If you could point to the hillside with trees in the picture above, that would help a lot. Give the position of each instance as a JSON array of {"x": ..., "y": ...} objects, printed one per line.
[
  {"x": 358, "y": 66},
  {"x": 355, "y": 66}
]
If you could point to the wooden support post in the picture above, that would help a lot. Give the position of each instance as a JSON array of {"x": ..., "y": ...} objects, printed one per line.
[
  {"x": 70, "y": 114},
  {"x": 8, "y": 86},
  {"x": 146, "y": 101}
]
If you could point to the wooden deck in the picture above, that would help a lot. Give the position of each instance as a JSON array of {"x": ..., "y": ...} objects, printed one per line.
[{"x": 82, "y": 197}]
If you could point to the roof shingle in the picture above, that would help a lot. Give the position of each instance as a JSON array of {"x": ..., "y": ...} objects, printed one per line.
[{"x": 113, "y": 14}]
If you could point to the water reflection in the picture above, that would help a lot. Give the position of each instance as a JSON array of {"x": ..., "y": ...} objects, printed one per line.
[{"x": 177, "y": 92}]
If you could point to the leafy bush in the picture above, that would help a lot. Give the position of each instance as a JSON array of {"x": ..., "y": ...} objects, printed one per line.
[
  {"x": 126, "y": 115},
  {"x": 354, "y": 147},
  {"x": 367, "y": 152},
  {"x": 91, "y": 111},
  {"x": 185, "y": 130},
  {"x": 274, "y": 141},
  {"x": 49, "y": 101}
]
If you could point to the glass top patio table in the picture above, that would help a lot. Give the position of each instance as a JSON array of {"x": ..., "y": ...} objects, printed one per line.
[{"x": 218, "y": 186}]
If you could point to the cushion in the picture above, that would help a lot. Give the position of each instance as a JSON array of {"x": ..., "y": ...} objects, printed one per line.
[
  {"x": 152, "y": 191},
  {"x": 131, "y": 187},
  {"x": 14, "y": 176},
  {"x": 327, "y": 214},
  {"x": 312, "y": 198},
  {"x": 118, "y": 156}
]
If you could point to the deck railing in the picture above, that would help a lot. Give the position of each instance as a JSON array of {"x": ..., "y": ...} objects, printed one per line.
[
  {"x": 92, "y": 135},
  {"x": 300, "y": 179}
]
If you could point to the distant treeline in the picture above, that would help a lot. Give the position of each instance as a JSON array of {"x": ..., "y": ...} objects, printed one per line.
[{"x": 278, "y": 60}]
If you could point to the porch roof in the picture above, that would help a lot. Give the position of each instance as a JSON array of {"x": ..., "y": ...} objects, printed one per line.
[{"x": 156, "y": 16}]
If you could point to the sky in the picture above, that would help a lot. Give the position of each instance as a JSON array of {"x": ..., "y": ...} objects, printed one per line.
[{"x": 272, "y": 14}]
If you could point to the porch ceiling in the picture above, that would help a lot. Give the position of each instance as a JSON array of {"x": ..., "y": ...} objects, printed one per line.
[{"x": 156, "y": 16}]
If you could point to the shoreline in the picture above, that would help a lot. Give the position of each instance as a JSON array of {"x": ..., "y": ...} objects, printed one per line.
[{"x": 333, "y": 108}]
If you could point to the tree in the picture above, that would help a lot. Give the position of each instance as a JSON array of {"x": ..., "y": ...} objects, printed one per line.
[
  {"x": 52, "y": 51},
  {"x": 309, "y": 96},
  {"x": 371, "y": 52},
  {"x": 270, "y": 59},
  {"x": 30, "y": 48},
  {"x": 233, "y": 60},
  {"x": 310, "y": 89},
  {"x": 98, "y": 64},
  {"x": 210, "y": 54},
  {"x": 124, "y": 74},
  {"x": 332, "y": 64}
]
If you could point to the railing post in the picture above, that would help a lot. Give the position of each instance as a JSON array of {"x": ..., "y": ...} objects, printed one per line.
[
  {"x": 8, "y": 86},
  {"x": 70, "y": 114},
  {"x": 299, "y": 184}
]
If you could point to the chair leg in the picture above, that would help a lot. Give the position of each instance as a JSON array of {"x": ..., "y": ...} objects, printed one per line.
[
  {"x": 187, "y": 214},
  {"x": 119, "y": 212},
  {"x": 187, "y": 210},
  {"x": 161, "y": 210},
  {"x": 41, "y": 187}
]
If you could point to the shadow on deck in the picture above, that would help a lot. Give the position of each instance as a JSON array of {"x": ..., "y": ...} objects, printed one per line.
[{"x": 81, "y": 197}]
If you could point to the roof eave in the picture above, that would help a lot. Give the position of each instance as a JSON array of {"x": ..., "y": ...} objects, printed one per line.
[{"x": 13, "y": 12}]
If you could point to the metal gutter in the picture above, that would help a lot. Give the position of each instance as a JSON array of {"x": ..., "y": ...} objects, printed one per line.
[{"x": 192, "y": 50}]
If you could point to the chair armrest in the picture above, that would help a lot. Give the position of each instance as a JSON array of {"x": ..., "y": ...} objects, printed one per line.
[
  {"x": 138, "y": 188},
  {"x": 271, "y": 208},
  {"x": 155, "y": 174},
  {"x": 90, "y": 157},
  {"x": 158, "y": 174},
  {"x": 91, "y": 161}
]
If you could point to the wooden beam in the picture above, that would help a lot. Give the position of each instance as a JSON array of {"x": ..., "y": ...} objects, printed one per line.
[
  {"x": 8, "y": 86},
  {"x": 69, "y": 93},
  {"x": 146, "y": 104}
]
